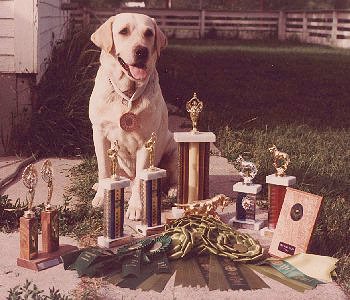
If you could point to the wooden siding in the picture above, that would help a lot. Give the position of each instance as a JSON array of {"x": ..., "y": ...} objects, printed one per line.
[{"x": 7, "y": 33}]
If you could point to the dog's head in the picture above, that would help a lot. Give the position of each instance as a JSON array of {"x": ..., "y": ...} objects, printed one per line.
[{"x": 134, "y": 40}]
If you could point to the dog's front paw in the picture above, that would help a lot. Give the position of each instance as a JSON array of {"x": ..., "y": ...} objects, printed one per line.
[
  {"x": 98, "y": 199},
  {"x": 134, "y": 210}
]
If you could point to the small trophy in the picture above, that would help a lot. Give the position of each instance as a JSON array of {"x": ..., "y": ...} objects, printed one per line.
[
  {"x": 281, "y": 161},
  {"x": 277, "y": 186},
  {"x": 28, "y": 223},
  {"x": 49, "y": 217},
  {"x": 113, "y": 210},
  {"x": 246, "y": 169},
  {"x": 193, "y": 158},
  {"x": 151, "y": 188},
  {"x": 113, "y": 156},
  {"x": 194, "y": 106},
  {"x": 150, "y": 144},
  {"x": 246, "y": 198}
]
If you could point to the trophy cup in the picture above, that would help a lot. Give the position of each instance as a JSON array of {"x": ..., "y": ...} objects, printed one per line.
[
  {"x": 28, "y": 223},
  {"x": 246, "y": 198},
  {"x": 113, "y": 210},
  {"x": 193, "y": 159},
  {"x": 49, "y": 217},
  {"x": 151, "y": 187},
  {"x": 277, "y": 186}
]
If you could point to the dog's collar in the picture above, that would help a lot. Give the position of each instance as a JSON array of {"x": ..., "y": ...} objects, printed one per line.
[{"x": 135, "y": 96}]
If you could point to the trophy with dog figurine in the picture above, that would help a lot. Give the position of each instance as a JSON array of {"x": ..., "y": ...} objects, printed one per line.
[
  {"x": 277, "y": 186},
  {"x": 151, "y": 190},
  {"x": 113, "y": 210},
  {"x": 246, "y": 197}
]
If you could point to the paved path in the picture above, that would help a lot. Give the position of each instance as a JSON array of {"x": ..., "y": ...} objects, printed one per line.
[{"x": 222, "y": 177}]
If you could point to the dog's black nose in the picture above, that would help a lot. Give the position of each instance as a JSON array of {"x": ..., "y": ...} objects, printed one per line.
[{"x": 141, "y": 53}]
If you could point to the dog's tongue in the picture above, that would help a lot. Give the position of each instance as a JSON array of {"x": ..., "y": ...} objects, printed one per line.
[{"x": 138, "y": 73}]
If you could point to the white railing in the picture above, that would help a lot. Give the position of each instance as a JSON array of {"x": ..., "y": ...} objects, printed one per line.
[{"x": 319, "y": 27}]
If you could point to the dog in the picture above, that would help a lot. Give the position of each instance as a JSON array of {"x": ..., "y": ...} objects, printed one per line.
[{"x": 127, "y": 84}]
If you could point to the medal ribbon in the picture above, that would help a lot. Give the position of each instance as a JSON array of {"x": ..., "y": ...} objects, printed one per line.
[{"x": 135, "y": 96}]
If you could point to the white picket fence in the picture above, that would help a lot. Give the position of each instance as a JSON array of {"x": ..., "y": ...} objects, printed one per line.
[{"x": 319, "y": 27}]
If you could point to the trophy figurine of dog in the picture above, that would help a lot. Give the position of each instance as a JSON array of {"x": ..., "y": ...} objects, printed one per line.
[{"x": 281, "y": 161}]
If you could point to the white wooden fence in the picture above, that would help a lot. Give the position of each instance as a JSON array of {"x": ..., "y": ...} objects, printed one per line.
[{"x": 319, "y": 27}]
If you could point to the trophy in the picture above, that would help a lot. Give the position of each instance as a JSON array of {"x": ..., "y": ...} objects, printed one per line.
[
  {"x": 246, "y": 197},
  {"x": 193, "y": 158},
  {"x": 150, "y": 144},
  {"x": 281, "y": 161},
  {"x": 194, "y": 106},
  {"x": 277, "y": 186},
  {"x": 49, "y": 217},
  {"x": 113, "y": 210},
  {"x": 113, "y": 156},
  {"x": 151, "y": 189},
  {"x": 28, "y": 223}
]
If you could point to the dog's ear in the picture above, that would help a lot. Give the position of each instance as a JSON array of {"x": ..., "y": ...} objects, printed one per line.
[
  {"x": 160, "y": 40},
  {"x": 103, "y": 36}
]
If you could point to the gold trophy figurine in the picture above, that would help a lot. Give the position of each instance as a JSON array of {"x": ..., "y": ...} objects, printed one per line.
[
  {"x": 194, "y": 106},
  {"x": 150, "y": 148},
  {"x": 281, "y": 161},
  {"x": 113, "y": 155},
  {"x": 47, "y": 175},
  {"x": 30, "y": 180}
]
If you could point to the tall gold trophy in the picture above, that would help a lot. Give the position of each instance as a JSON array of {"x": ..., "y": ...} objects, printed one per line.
[
  {"x": 113, "y": 209},
  {"x": 151, "y": 188},
  {"x": 28, "y": 224},
  {"x": 49, "y": 217},
  {"x": 193, "y": 159}
]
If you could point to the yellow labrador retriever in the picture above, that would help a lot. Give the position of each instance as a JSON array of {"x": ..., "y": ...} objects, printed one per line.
[{"x": 127, "y": 103}]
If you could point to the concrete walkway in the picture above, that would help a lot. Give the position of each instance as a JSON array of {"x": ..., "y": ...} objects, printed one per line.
[{"x": 222, "y": 177}]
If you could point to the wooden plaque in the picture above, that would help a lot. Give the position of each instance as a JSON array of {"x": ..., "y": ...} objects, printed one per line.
[{"x": 295, "y": 223}]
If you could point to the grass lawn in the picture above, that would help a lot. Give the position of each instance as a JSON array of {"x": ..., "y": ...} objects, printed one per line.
[{"x": 255, "y": 94}]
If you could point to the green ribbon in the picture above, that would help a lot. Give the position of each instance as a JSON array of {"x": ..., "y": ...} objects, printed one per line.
[{"x": 293, "y": 273}]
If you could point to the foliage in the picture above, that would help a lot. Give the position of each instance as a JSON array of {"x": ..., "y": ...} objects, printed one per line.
[
  {"x": 60, "y": 120},
  {"x": 10, "y": 213},
  {"x": 77, "y": 217},
  {"x": 31, "y": 291}
]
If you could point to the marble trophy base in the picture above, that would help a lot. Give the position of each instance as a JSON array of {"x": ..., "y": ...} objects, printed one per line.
[
  {"x": 147, "y": 231},
  {"x": 45, "y": 260},
  {"x": 247, "y": 224},
  {"x": 105, "y": 242},
  {"x": 246, "y": 221},
  {"x": 281, "y": 180}
]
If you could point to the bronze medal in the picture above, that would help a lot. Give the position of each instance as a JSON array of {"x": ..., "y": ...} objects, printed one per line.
[{"x": 128, "y": 122}]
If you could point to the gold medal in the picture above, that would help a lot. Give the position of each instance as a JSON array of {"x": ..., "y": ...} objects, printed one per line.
[{"x": 128, "y": 122}]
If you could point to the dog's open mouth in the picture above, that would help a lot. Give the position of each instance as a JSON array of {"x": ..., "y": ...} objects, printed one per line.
[{"x": 136, "y": 71}]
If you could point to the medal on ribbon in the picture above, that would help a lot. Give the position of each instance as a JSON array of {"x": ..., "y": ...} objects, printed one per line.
[{"x": 128, "y": 122}]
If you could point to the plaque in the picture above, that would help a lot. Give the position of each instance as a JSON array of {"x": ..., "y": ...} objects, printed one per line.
[{"x": 295, "y": 223}]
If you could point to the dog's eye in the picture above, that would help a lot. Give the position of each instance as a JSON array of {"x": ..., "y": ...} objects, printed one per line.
[
  {"x": 148, "y": 33},
  {"x": 124, "y": 31}
]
